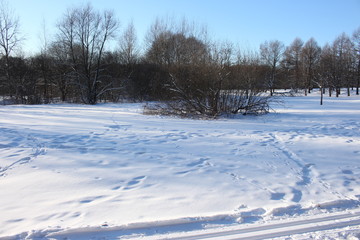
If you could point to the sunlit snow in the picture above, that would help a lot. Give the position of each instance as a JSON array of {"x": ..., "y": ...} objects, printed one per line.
[{"x": 66, "y": 166}]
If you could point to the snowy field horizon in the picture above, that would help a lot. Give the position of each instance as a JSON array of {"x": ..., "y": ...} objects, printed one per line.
[{"x": 70, "y": 171}]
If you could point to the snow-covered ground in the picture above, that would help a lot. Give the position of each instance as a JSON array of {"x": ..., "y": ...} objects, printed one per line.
[{"x": 108, "y": 171}]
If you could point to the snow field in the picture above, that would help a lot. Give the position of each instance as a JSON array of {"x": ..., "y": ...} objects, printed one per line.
[{"x": 75, "y": 166}]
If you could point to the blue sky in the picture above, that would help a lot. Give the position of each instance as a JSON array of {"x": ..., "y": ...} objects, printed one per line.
[{"x": 244, "y": 22}]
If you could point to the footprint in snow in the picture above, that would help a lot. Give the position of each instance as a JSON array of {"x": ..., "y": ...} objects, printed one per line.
[
  {"x": 12, "y": 155},
  {"x": 277, "y": 196},
  {"x": 116, "y": 188},
  {"x": 297, "y": 195},
  {"x": 346, "y": 171},
  {"x": 90, "y": 199},
  {"x": 183, "y": 173},
  {"x": 24, "y": 160},
  {"x": 200, "y": 163},
  {"x": 133, "y": 183}
]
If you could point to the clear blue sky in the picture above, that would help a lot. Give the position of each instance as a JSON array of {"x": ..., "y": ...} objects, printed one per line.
[{"x": 244, "y": 22}]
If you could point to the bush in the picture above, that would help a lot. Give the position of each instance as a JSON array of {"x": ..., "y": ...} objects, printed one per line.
[{"x": 200, "y": 92}]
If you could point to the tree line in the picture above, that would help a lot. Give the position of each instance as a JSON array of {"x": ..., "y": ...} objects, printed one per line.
[{"x": 179, "y": 66}]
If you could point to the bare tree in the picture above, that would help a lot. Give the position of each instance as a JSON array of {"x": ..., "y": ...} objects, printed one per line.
[
  {"x": 271, "y": 53},
  {"x": 219, "y": 86},
  {"x": 128, "y": 49},
  {"x": 202, "y": 79},
  {"x": 62, "y": 71},
  {"x": 343, "y": 50},
  {"x": 356, "y": 42},
  {"x": 173, "y": 48},
  {"x": 292, "y": 62},
  {"x": 310, "y": 56},
  {"x": 9, "y": 30},
  {"x": 327, "y": 68},
  {"x": 85, "y": 32},
  {"x": 43, "y": 64},
  {"x": 9, "y": 39}
]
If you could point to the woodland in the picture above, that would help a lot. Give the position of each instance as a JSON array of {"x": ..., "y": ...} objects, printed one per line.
[{"x": 179, "y": 66}]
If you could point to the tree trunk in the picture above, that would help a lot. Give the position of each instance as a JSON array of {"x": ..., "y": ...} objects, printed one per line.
[
  {"x": 358, "y": 80},
  {"x": 337, "y": 92},
  {"x": 321, "y": 96}
]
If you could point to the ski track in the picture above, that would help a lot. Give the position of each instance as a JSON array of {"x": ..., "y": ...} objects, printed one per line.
[
  {"x": 174, "y": 231},
  {"x": 281, "y": 229}
]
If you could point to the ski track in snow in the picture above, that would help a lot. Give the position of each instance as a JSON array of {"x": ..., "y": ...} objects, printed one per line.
[{"x": 97, "y": 162}]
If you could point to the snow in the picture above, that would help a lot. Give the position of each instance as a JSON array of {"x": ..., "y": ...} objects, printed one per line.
[{"x": 86, "y": 168}]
